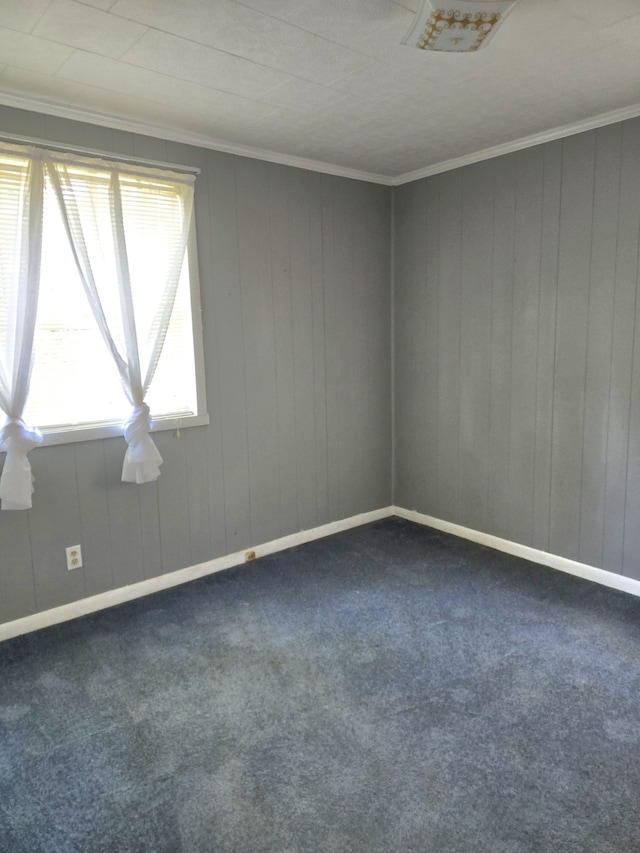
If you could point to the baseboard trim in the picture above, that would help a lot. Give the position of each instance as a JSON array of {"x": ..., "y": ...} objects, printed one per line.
[
  {"x": 84, "y": 606},
  {"x": 544, "y": 558},
  {"x": 93, "y": 604}
]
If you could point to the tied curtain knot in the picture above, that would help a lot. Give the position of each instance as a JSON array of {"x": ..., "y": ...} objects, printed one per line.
[
  {"x": 138, "y": 424},
  {"x": 142, "y": 460},
  {"x": 16, "y": 482}
]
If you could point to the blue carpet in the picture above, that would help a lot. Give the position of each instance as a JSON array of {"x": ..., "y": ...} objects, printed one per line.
[{"x": 387, "y": 689}]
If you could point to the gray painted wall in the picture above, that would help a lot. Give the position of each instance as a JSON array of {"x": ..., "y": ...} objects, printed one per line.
[
  {"x": 517, "y": 367},
  {"x": 294, "y": 270},
  {"x": 517, "y": 347}
]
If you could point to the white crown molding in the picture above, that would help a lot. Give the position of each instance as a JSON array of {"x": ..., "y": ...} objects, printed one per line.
[
  {"x": 202, "y": 141},
  {"x": 198, "y": 140},
  {"x": 543, "y": 558},
  {"x": 113, "y": 597},
  {"x": 592, "y": 123}
]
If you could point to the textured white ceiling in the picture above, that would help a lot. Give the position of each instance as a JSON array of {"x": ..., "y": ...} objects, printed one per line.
[{"x": 325, "y": 80}]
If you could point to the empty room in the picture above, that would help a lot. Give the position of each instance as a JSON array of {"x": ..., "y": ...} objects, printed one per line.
[{"x": 320, "y": 426}]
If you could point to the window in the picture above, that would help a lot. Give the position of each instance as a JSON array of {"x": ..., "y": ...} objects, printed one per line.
[{"x": 98, "y": 298}]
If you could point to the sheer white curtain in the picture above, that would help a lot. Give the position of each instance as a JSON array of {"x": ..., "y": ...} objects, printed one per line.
[
  {"x": 109, "y": 214},
  {"x": 21, "y": 217}
]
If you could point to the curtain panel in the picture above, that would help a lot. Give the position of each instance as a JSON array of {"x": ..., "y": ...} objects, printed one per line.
[
  {"x": 20, "y": 251},
  {"x": 127, "y": 227}
]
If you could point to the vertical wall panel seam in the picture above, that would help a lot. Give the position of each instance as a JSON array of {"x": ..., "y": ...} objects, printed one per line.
[
  {"x": 392, "y": 312},
  {"x": 458, "y": 323},
  {"x": 409, "y": 284},
  {"x": 75, "y": 473},
  {"x": 513, "y": 272},
  {"x": 459, "y": 328},
  {"x": 321, "y": 185},
  {"x": 307, "y": 195},
  {"x": 216, "y": 350},
  {"x": 555, "y": 337},
  {"x": 244, "y": 354},
  {"x": 275, "y": 350},
  {"x": 104, "y": 464},
  {"x": 320, "y": 314},
  {"x": 142, "y": 536},
  {"x": 586, "y": 360},
  {"x": 633, "y": 368},
  {"x": 490, "y": 382},
  {"x": 210, "y": 190},
  {"x": 350, "y": 289},
  {"x": 311, "y": 227},
  {"x": 613, "y": 329},
  {"x": 436, "y": 414},
  {"x": 33, "y": 573},
  {"x": 539, "y": 332},
  {"x": 205, "y": 461},
  {"x": 420, "y": 296},
  {"x": 293, "y": 353},
  {"x": 513, "y": 176}
]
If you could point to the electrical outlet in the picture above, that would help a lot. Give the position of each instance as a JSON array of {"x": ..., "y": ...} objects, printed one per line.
[
  {"x": 250, "y": 555},
  {"x": 74, "y": 557}
]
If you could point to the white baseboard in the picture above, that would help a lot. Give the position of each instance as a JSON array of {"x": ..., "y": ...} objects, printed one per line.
[
  {"x": 137, "y": 590},
  {"x": 544, "y": 558}
]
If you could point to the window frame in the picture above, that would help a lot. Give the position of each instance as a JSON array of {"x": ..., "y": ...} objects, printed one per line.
[{"x": 89, "y": 431}]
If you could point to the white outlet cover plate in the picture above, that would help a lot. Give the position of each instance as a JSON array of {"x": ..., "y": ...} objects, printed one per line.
[{"x": 74, "y": 557}]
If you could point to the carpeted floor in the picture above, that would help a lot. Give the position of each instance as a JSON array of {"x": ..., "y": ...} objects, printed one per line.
[{"x": 388, "y": 689}]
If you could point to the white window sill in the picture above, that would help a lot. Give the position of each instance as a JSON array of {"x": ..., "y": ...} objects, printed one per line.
[{"x": 85, "y": 432}]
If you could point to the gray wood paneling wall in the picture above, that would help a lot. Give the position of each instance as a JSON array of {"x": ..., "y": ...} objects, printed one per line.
[
  {"x": 517, "y": 367},
  {"x": 517, "y": 347},
  {"x": 294, "y": 270}
]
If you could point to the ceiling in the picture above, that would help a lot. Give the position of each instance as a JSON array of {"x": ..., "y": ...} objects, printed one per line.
[{"x": 327, "y": 81}]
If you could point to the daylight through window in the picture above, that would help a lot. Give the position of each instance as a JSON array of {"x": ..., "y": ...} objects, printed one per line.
[{"x": 97, "y": 293}]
